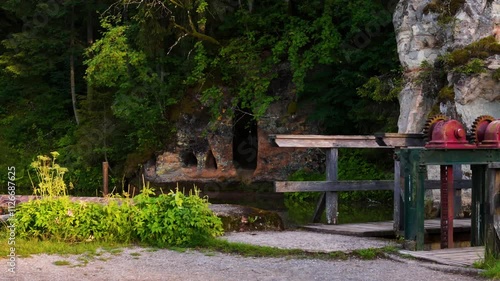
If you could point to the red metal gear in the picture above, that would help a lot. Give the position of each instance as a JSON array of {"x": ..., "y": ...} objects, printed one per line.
[
  {"x": 479, "y": 128},
  {"x": 430, "y": 123}
]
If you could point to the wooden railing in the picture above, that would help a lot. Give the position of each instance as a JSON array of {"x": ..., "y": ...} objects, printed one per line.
[{"x": 329, "y": 199}]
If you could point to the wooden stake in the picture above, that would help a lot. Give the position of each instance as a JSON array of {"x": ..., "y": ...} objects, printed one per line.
[{"x": 105, "y": 167}]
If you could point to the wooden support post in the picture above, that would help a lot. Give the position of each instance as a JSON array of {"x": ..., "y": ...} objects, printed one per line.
[
  {"x": 331, "y": 198},
  {"x": 105, "y": 167},
  {"x": 492, "y": 243},
  {"x": 477, "y": 204},
  {"x": 398, "y": 195},
  {"x": 447, "y": 206}
]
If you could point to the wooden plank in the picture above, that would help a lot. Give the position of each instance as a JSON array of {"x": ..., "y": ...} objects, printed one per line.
[
  {"x": 349, "y": 141},
  {"x": 381, "y": 229},
  {"x": 323, "y": 186},
  {"x": 455, "y": 256},
  {"x": 331, "y": 198}
]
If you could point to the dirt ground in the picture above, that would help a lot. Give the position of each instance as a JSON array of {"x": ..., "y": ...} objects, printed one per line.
[{"x": 136, "y": 263}]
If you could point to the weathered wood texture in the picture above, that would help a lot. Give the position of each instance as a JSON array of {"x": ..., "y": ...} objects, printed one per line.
[
  {"x": 376, "y": 141},
  {"x": 383, "y": 228},
  {"x": 323, "y": 186},
  {"x": 492, "y": 242},
  {"x": 331, "y": 197},
  {"x": 455, "y": 256}
]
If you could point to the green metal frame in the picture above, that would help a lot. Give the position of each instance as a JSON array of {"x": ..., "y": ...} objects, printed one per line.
[{"x": 414, "y": 162}]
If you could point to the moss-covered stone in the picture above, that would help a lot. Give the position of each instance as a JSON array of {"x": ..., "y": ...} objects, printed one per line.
[
  {"x": 496, "y": 74},
  {"x": 446, "y": 9},
  {"x": 446, "y": 94},
  {"x": 480, "y": 49},
  {"x": 244, "y": 218}
]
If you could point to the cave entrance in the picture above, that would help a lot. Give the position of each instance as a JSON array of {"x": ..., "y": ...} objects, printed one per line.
[
  {"x": 210, "y": 162},
  {"x": 245, "y": 141},
  {"x": 188, "y": 159}
]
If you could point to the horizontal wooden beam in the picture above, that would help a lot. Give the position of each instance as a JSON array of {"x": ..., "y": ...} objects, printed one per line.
[
  {"x": 322, "y": 186},
  {"x": 386, "y": 140}
]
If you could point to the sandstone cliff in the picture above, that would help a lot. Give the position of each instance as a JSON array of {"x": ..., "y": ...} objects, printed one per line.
[{"x": 450, "y": 64}]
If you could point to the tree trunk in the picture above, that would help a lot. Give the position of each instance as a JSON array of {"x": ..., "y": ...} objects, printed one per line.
[{"x": 72, "y": 66}]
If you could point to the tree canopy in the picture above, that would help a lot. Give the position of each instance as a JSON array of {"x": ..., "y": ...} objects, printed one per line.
[{"x": 101, "y": 80}]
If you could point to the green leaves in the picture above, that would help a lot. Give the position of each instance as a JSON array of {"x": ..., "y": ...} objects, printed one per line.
[
  {"x": 175, "y": 219},
  {"x": 170, "y": 219}
]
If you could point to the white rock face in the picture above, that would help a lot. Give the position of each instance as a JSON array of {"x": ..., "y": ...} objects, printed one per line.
[{"x": 421, "y": 37}]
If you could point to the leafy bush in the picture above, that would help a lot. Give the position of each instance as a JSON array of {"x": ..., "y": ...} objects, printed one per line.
[
  {"x": 174, "y": 219},
  {"x": 64, "y": 220},
  {"x": 169, "y": 219}
]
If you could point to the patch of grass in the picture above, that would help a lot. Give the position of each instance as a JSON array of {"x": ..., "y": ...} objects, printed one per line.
[
  {"x": 373, "y": 253},
  {"x": 27, "y": 247},
  {"x": 62, "y": 262},
  {"x": 491, "y": 268},
  {"x": 135, "y": 254},
  {"x": 84, "y": 260},
  {"x": 115, "y": 251},
  {"x": 248, "y": 250}
]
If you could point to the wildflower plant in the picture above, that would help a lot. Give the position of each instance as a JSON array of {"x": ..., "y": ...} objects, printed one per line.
[{"x": 50, "y": 176}]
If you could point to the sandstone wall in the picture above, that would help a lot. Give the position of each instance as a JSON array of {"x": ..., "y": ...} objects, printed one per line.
[{"x": 205, "y": 153}]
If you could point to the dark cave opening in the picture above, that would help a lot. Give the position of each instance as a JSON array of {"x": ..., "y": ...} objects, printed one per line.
[
  {"x": 189, "y": 159},
  {"x": 210, "y": 162},
  {"x": 245, "y": 146}
]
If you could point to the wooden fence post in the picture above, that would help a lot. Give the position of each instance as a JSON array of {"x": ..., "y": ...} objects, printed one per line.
[
  {"x": 105, "y": 167},
  {"x": 492, "y": 243},
  {"x": 331, "y": 197}
]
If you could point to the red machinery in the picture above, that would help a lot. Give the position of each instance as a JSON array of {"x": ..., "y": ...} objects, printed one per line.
[
  {"x": 443, "y": 133},
  {"x": 486, "y": 132}
]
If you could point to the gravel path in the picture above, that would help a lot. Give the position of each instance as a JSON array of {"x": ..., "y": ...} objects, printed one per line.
[
  {"x": 308, "y": 241},
  {"x": 143, "y": 264}
]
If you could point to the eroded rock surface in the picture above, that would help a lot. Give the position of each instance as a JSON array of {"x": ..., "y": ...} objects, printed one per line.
[
  {"x": 237, "y": 149},
  {"x": 428, "y": 29}
]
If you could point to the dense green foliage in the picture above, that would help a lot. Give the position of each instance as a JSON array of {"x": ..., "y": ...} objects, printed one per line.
[
  {"x": 168, "y": 220},
  {"x": 175, "y": 219},
  {"x": 106, "y": 80},
  {"x": 172, "y": 219}
]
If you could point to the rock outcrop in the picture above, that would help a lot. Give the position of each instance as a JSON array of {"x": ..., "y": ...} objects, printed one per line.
[
  {"x": 426, "y": 32},
  {"x": 237, "y": 149}
]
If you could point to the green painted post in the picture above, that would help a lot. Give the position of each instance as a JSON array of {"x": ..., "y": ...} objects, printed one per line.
[
  {"x": 420, "y": 196},
  {"x": 409, "y": 161},
  {"x": 408, "y": 200}
]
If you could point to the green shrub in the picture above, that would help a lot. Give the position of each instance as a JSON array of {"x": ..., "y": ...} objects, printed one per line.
[
  {"x": 64, "y": 220},
  {"x": 174, "y": 219},
  {"x": 474, "y": 66},
  {"x": 169, "y": 219}
]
